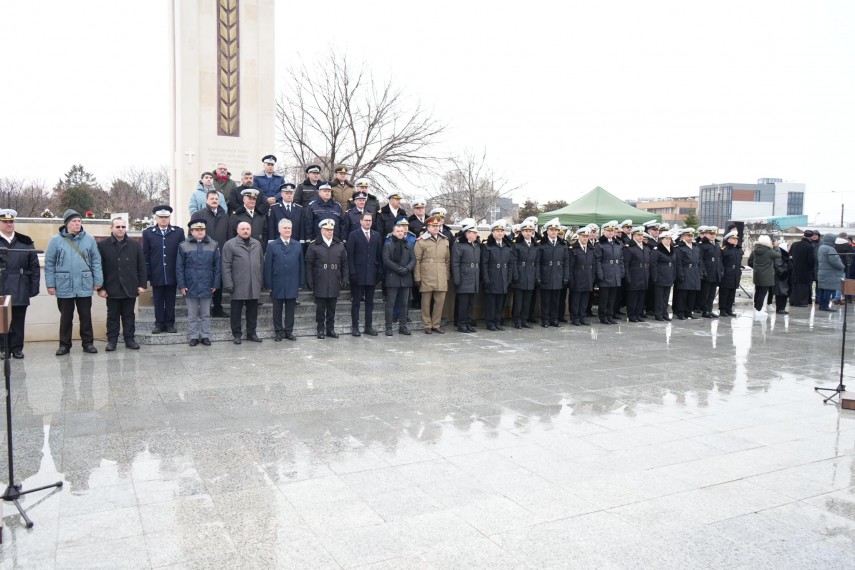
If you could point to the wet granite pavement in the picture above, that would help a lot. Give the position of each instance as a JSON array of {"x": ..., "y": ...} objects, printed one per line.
[{"x": 696, "y": 444}]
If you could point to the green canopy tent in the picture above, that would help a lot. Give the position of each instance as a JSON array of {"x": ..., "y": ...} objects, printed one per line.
[{"x": 597, "y": 206}]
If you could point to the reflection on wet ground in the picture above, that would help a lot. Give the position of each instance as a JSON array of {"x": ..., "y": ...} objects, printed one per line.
[{"x": 698, "y": 444}]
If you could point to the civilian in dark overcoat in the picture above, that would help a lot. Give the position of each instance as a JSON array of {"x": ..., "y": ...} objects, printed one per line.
[
  {"x": 365, "y": 264},
  {"x": 123, "y": 265},
  {"x": 160, "y": 250},
  {"x": 524, "y": 263},
  {"x": 636, "y": 262},
  {"x": 663, "y": 273},
  {"x": 496, "y": 274},
  {"x": 582, "y": 276},
  {"x": 803, "y": 255},
  {"x": 783, "y": 277},
  {"x": 243, "y": 277},
  {"x": 731, "y": 259},
  {"x": 284, "y": 274},
  {"x": 326, "y": 274},
  {"x": 23, "y": 277},
  {"x": 553, "y": 256}
]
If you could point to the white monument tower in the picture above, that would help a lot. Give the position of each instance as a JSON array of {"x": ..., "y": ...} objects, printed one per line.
[{"x": 222, "y": 91}]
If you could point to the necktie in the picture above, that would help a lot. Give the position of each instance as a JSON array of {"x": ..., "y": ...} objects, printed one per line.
[
  {"x": 367, "y": 236},
  {"x": 288, "y": 208}
]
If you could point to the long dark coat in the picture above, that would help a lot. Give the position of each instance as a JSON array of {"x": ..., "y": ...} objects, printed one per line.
[
  {"x": 326, "y": 267},
  {"x": 783, "y": 274},
  {"x": 278, "y": 212},
  {"x": 393, "y": 276},
  {"x": 284, "y": 268},
  {"x": 306, "y": 192},
  {"x": 636, "y": 262},
  {"x": 466, "y": 265},
  {"x": 217, "y": 227},
  {"x": 365, "y": 258},
  {"x": 731, "y": 259},
  {"x": 524, "y": 264},
  {"x": 663, "y": 265},
  {"x": 689, "y": 268},
  {"x": 609, "y": 262},
  {"x": 496, "y": 266},
  {"x": 22, "y": 270},
  {"x": 803, "y": 255},
  {"x": 583, "y": 273},
  {"x": 123, "y": 266},
  {"x": 553, "y": 264},
  {"x": 161, "y": 253},
  {"x": 711, "y": 260},
  {"x": 384, "y": 221}
]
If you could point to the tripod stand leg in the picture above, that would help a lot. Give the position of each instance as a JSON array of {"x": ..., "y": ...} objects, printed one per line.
[
  {"x": 58, "y": 485},
  {"x": 24, "y": 516}
]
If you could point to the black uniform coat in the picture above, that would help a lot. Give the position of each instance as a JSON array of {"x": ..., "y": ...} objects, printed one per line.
[
  {"x": 496, "y": 266},
  {"x": 318, "y": 211},
  {"x": 365, "y": 258},
  {"x": 583, "y": 274},
  {"x": 524, "y": 264},
  {"x": 22, "y": 270},
  {"x": 326, "y": 267},
  {"x": 278, "y": 212},
  {"x": 689, "y": 268},
  {"x": 218, "y": 227},
  {"x": 731, "y": 259},
  {"x": 466, "y": 265},
  {"x": 306, "y": 192},
  {"x": 553, "y": 264},
  {"x": 399, "y": 260},
  {"x": 803, "y": 255},
  {"x": 350, "y": 221},
  {"x": 609, "y": 262},
  {"x": 663, "y": 265},
  {"x": 258, "y": 221},
  {"x": 636, "y": 262},
  {"x": 384, "y": 221},
  {"x": 711, "y": 260},
  {"x": 123, "y": 266},
  {"x": 416, "y": 225},
  {"x": 161, "y": 253}
]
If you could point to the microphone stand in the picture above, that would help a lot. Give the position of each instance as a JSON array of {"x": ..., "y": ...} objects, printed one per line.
[
  {"x": 847, "y": 288},
  {"x": 13, "y": 492}
]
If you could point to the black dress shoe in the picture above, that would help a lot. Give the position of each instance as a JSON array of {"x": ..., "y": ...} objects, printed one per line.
[
  {"x": 132, "y": 344},
  {"x": 532, "y": 321},
  {"x": 544, "y": 325},
  {"x": 332, "y": 334},
  {"x": 428, "y": 331},
  {"x": 491, "y": 327},
  {"x": 17, "y": 354},
  {"x": 219, "y": 315},
  {"x": 389, "y": 331},
  {"x": 194, "y": 342},
  {"x": 156, "y": 330},
  {"x": 355, "y": 331},
  {"x": 691, "y": 316},
  {"x": 63, "y": 350},
  {"x": 277, "y": 337},
  {"x": 585, "y": 322},
  {"x": 681, "y": 317},
  {"x": 253, "y": 338},
  {"x": 289, "y": 336},
  {"x": 713, "y": 315},
  {"x": 237, "y": 340},
  {"x": 206, "y": 342},
  {"x": 782, "y": 312},
  {"x": 612, "y": 321},
  {"x": 370, "y": 331},
  {"x": 89, "y": 348},
  {"x": 404, "y": 331},
  {"x": 642, "y": 318},
  {"x": 562, "y": 320},
  {"x": 525, "y": 325},
  {"x": 438, "y": 330},
  {"x": 666, "y": 317},
  {"x": 576, "y": 323},
  {"x": 501, "y": 327},
  {"x": 555, "y": 324},
  {"x": 518, "y": 325},
  {"x": 321, "y": 335},
  {"x": 111, "y": 346},
  {"x": 171, "y": 329},
  {"x": 658, "y": 318},
  {"x": 633, "y": 319}
]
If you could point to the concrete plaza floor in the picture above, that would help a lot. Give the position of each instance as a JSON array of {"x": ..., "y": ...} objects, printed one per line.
[{"x": 694, "y": 444}]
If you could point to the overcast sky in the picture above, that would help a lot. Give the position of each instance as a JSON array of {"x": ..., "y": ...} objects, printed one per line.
[{"x": 642, "y": 98}]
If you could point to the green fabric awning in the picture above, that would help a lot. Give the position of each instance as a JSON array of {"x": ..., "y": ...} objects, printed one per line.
[{"x": 597, "y": 206}]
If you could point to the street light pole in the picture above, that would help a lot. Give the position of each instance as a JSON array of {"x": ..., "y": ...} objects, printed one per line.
[{"x": 841, "y": 213}]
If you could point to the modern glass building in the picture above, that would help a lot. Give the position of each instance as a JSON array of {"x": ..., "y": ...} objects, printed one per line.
[{"x": 719, "y": 203}]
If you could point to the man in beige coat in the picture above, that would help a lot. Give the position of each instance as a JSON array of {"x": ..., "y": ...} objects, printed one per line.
[{"x": 433, "y": 267}]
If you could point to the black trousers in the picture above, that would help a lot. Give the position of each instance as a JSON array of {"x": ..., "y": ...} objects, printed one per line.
[
  {"x": 522, "y": 304},
  {"x": 608, "y": 298},
  {"x": 578, "y": 304},
  {"x": 164, "y": 305},
  {"x": 251, "y": 316},
  {"x": 635, "y": 303},
  {"x": 84, "y": 314},
  {"x": 494, "y": 304},
  {"x": 760, "y": 293},
  {"x": 684, "y": 301},
  {"x": 562, "y": 302},
  {"x": 780, "y": 300},
  {"x": 362, "y": 293},
  {"x": 121, "y": 309},
  {"x": 397, "y": 305},
  {"x": 726, "y": 297},
  {"x": 660, "y": 299},
  {"x": 549, "y": 305},
  {"x": 533, "y": 306},
  {"x": 800, "y": 294},
  {"x": 16, "y": 328},
  {"x": 325, "y": 313},
  {"x": 217, "y": 301},
  {"x": 708, "y": 289},
  {"x": 649, "y": 297},
  {"x": 289, "y": 305},
  {"x": 465, "y": 302}
]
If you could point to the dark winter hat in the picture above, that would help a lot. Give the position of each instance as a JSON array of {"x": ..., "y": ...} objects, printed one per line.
[
  {"x": 70, "y": 215},
  {"x": 808, "y": 233}
]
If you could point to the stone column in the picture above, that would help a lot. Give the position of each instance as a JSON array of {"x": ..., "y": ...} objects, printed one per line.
[{"x": 222, "y": 90}]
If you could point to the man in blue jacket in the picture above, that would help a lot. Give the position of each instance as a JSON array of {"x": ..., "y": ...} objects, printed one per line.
[
  {"x": 160, "y": 248},
  {"x": 73, "y": 274},
  {"x": 268, "y": 183},
  {"x": 284, "y": 274},
  {"x": 198, "y": 276}
]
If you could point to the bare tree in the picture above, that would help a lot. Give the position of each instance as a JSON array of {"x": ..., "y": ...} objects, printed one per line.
[
  {"x": 151, "y": 183},
  {"x": 336, "y": 113},
  {"x": 470, "y": 188},
  {"x": 28, "y": 197}
]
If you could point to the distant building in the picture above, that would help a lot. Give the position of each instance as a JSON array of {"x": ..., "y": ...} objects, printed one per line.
[
  {"x": 770, "y": 197},
  {"x": 672, "y": 210}
]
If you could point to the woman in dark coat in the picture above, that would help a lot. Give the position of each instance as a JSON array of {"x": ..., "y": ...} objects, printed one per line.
[
  {"x": 783, "y": 278},
  {"x": 466, "y": 272},
  {"x": 636, "y": 262},
  {"x": 803, "y": 256},
  {"x": 731, "y": 259},
  {"x": 524, "y": 254},
  {"x": 582, "y": 277},
  {"x": 496, "y": 274},
  {"x": 553, "y": 272},
  {"x": 762, "y": 260},
  {"x": 398, "y": 264},
  {"x": 663, "y": 273},
  {"x": 689, "y": 276}
]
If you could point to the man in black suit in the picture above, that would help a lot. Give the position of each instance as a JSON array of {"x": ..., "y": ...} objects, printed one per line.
[{"x": 364, "y": 256}]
